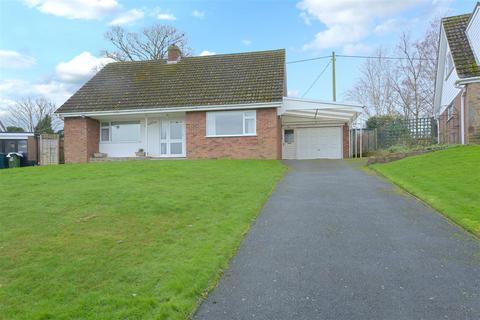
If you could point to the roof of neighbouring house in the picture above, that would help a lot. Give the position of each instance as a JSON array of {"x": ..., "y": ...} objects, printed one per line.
[
  {"x": 462, "y": 53},
  {"x": 240, "y": 78}
]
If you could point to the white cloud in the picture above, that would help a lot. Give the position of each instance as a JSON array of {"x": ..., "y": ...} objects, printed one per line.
[
  {"x": 206, "y": 53},
  {"x": 80, "y": 68},
  {"x": 166, "y": 16},
  {"x": 247, "y": 42},
  {"x": 348, "y": 21},
  {"x": 293, "y": 93},
  {"x": 387, "y": 26},
  {"x": 75, "y": 9},
  {"x": 12, "y": 90},
  {"x": 15, "y": 60},
  {"x": 358, "y": 49},
  {"x": 306, "y": 18},
  {"x": 198, "y": 14},
  {"x": 127, "y": 17}
]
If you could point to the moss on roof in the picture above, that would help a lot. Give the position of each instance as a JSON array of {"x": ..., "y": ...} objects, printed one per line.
[
  {"x": 251, "y": 77},
  {"x": 462, "y": 53}
]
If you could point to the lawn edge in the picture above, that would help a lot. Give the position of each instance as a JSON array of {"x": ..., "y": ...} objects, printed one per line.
[
  {"x": 469, "y": 232},
  {"x": 213, "y": 285}
]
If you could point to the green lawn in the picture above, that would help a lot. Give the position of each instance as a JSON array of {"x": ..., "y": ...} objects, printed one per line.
[
  {"x": 123, "y": 240},
  {"x": 448, "y": 180}
]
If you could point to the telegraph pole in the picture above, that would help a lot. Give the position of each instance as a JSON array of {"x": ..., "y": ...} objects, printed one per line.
[{"x": 334, "y": 85}]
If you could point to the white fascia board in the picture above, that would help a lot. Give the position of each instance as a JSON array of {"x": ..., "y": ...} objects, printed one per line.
[
  {"x": 296, "y": 103},
  {"x": 313, "y": 116},
  {"x": 15, "y": 135},
  {"x": 172, "y": 110},
  {"x": 439, "y": 79}
]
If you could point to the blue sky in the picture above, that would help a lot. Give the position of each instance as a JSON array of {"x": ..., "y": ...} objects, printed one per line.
[{"x": 50, "y": 47}]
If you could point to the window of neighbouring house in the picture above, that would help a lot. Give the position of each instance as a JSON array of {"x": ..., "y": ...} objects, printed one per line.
[
  {"x": 450, "y": 112},
  {"x": 448, "y": 64},
  {"x": 125, "y": 131},
  {"x": 105, "y": 132},
  {"x": 288, "y": 136},
  {"x": 231, "y": 123}
]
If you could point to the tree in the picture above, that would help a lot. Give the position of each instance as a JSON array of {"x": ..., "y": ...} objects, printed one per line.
[
  {"x": 403, "y": 86},
  {"x": 14, "y": 129},
  {"x": 44, "y": 125},
  {"x": 151, "y": 44},
  {"x": 27, "y": 113},
  {"x": 374, "y": 88}
]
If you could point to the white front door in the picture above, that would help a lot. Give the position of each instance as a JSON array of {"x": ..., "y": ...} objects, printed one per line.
[
  {"x": 319, "y": 143},
  {"x": 172, "y": 138}
]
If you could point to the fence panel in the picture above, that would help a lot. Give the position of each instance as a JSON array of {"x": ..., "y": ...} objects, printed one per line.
[{"x": 49, "y": 149}]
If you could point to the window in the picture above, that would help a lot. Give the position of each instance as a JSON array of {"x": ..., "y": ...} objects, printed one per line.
[
  {"x": 105, "y": 132},
  {"x": 231, "y": 123},
  {"x": 450, "y": 112},
  {"x": 288, "y": 136},
  {"x": 22, "y": 146},
  {"x": 125, "y": 131},
  {"x": 448, "y": 64}
]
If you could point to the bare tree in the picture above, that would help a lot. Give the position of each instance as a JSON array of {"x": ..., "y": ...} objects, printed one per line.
[
  {"x": 374, "y": 88},
  {"x": 151, "y": 44},
  {"x": 414, "y": 79},
  {"x": 27, "y": 113},
  {"x": 402, "y": 86}
]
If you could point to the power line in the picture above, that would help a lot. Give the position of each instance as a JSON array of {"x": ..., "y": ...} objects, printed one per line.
[
  {"x": 361, "y": 57},
  {"x": 305, "y": 60},
  {"x": 316, "y": 79},
  {"x": 381, "y": 57}
]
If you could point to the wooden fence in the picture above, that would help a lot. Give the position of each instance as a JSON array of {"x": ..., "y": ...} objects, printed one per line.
[{"x": 49, "y": 149}]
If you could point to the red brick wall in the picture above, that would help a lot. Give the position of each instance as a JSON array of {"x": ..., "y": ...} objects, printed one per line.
[
  {"x": 346, "y": 141},
  {"x": 449, "y": 129},
  {"x": 81, "y": 139},
  {"x": 472, "y": 113},
  {"x": 265, "y": 145}
]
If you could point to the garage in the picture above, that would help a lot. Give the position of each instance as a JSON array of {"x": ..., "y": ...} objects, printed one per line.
[
  {"x": 313, "y": 129},
  {"x": 319, "y": 143}
]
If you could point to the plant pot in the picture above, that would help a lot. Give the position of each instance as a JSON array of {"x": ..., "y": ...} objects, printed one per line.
[{"x": 140, "y": 153}]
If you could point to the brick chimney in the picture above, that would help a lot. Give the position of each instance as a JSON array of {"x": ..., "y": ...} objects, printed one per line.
[{"x": 174, "y": 54}]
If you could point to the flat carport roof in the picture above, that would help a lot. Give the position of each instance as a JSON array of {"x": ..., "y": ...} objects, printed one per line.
[{"x": 320, "y": 112}]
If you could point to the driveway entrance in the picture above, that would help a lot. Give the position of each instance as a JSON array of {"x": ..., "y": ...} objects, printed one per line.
[{"x": 334, "y": 242}]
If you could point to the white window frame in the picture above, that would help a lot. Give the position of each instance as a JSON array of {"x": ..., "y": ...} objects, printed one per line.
[
  {"x": 110, "y": 136},
  {"x": 448, "y": 66},
  {"x": 211, "y": 116},
  {"x": 109, "y": 127}
]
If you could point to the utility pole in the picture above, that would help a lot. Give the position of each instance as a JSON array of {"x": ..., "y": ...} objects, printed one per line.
[{"x": 334, "y": 84}]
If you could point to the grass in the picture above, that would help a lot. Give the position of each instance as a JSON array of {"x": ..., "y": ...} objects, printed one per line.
[
  {"x": 123, "y": 240},
  {"x": 448, "y": 180}
]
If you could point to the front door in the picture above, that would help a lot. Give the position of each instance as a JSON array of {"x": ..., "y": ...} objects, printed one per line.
[{"x": 172, "y": 138}]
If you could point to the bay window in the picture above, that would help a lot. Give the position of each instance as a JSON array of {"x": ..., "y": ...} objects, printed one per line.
[{"x": 231, "y": 123}]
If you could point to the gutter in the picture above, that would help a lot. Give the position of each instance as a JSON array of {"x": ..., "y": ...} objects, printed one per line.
[
  {"x": 169, "y": 110},
  {"x": 467, "y": 81}
]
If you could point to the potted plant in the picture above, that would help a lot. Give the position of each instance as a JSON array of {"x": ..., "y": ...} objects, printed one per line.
[{"x": 140, "y": 153}]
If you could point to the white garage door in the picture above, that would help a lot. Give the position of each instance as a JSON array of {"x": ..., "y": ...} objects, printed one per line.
[{"x": 319, "y": 143}]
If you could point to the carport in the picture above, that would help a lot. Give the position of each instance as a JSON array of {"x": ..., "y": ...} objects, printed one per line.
[{"x": 315, "y": 129}]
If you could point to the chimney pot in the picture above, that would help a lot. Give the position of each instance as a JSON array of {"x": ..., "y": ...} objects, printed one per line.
[{"x": 174, "y": 53}]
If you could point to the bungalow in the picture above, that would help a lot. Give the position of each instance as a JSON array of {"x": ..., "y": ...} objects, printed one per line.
[
  {"x": 228, "y": 105},
  {"x": 457, "y": 86}
]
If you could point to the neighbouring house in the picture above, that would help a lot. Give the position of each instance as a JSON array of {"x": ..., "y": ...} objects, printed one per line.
[
  {"x": 20, "y": 142},
  {"x": 218, "y": 106},
  {"x": 457, "y": 86}
]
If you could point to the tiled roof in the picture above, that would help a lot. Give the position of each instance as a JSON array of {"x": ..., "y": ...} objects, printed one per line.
[
  {"x": 251, "y": 77},
  {"x": 462, "y": 53}
]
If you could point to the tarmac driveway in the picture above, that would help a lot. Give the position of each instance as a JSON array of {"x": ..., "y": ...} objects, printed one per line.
[{"x": 334, "y": 242}]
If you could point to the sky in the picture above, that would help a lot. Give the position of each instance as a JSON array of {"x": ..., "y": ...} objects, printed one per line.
[{"x": 50, "y": 48}]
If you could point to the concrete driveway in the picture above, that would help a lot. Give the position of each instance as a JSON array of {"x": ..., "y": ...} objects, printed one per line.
[{"x": 334, "y": 242}]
